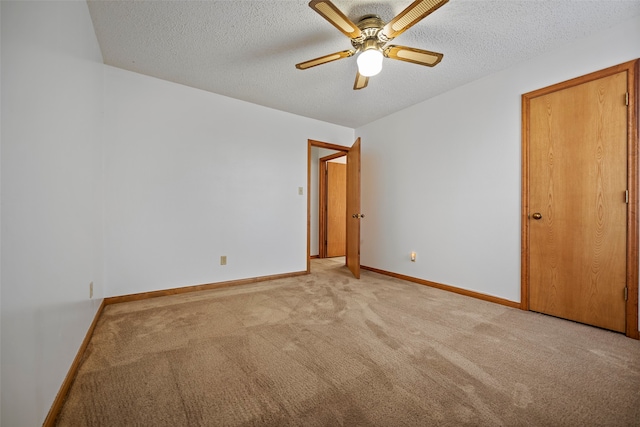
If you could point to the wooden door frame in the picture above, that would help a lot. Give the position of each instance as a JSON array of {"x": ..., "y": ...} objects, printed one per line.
[
  {"x": 632, "y": 69},
  {"x": 322, "y": 214},
  {"x": 310, "y": 144}
]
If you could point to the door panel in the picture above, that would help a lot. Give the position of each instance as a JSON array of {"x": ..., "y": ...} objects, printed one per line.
[
  {"x": 577, "y": 183},
  {"x": 336, "y": 209},
  {"x": 353, "y": 208}
]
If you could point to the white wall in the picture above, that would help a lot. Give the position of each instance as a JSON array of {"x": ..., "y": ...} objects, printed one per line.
[
  {"x": 51, "y": 177},
  {"x": 191, "y": 176},
  {"x": 442, "y": 178}
]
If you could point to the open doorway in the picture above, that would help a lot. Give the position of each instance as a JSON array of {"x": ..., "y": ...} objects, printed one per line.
[{"x": 318, "y": 150}]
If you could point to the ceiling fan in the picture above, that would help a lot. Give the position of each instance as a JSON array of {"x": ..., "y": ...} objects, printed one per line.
[{"x": 370, "y": 36}]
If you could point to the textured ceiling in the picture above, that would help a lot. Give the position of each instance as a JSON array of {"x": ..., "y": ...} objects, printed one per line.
[{"x": 248, "y": 49}]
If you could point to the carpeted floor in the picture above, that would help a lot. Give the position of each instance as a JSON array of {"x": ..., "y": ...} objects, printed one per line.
[{"x": 326, "y": 349}]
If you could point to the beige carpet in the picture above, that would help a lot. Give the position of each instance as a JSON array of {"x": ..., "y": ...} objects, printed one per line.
[{"x": 326, "y": 349}]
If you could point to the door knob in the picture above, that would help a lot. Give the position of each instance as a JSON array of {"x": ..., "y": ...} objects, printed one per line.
[
  {"x": 357, "y": 216},
  {"x": 537, "y": 215}
]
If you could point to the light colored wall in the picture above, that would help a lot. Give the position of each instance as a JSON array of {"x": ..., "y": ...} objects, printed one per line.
[
  {"x": 192, "y": 176},
  {"x": 442, "y": 178},
  {"x": 51, "y": 177}
]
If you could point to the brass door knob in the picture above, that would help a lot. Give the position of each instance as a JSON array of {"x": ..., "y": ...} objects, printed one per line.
[
  {"x": 357, "y": 216},
  {"x": 537, "y": 215}
]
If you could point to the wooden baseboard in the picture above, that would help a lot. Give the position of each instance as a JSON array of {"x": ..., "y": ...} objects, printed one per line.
[
  {"x": 448, "y": 288},
  {"x": 205, "y": 287},
  {"x": 54, "y": 411}
]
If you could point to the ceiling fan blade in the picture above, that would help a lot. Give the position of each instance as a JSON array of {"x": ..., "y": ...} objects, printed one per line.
[
  {"x": 411, "y": 16},
  {"x": 361, "y": 82},
  {"x": 416, "y": 56},
  {"x": 332, "y": 14},
  {"x": 325, "y": 59}
]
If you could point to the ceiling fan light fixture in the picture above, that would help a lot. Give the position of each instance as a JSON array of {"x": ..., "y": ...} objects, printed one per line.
[
  {"x": 370, "y": 62},
  {"x": 370, "y": 36}
]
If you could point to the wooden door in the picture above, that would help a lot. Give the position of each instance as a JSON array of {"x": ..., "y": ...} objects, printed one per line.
[
  {"x": 336, "y": 226},
  {"x": 353, "y": 209},
  {"x": 577, "y": 208}
]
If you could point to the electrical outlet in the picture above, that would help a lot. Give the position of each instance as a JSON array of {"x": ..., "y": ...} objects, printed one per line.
[
  {"x": 223, "y": 260},
  {"x": 91, "y": 290},
  {"x": 301, "y": 191},
  {"x": 413, "y": 257}
]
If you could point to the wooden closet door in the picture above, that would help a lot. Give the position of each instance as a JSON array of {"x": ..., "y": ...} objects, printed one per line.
[{"x": 577, "y": 202}]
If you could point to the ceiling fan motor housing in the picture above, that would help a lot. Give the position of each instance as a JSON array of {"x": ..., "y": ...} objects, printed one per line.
[{"x": 372, "y": 36}]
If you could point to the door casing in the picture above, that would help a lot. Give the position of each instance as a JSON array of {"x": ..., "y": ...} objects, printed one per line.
[{"x": 632, "y": 69}]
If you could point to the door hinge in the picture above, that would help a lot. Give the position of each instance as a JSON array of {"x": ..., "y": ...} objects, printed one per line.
[
  {"x": 626, "y": 293},
  {"x": 626, "y": 99},
  {"x": 626, "y": 196}
]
